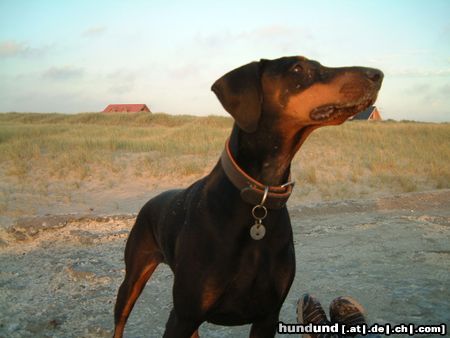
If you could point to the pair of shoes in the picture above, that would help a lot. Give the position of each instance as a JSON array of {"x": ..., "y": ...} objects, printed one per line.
[{"x": 343, "y": 310}]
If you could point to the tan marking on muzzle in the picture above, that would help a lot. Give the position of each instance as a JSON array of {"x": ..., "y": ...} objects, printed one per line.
[{"x": 344, "y": 89}]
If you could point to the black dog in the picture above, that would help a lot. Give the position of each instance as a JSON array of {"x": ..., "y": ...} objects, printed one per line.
[{"x": 228, "y": 237}]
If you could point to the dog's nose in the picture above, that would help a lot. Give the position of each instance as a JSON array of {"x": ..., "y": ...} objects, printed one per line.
[{"x": 374, "y": 75}]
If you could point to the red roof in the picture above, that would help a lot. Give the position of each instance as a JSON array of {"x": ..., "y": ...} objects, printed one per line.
[{"x": 127, "y": 108}]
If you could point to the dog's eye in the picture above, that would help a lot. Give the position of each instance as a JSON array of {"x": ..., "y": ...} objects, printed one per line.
[{"x": 297, "y": 68}]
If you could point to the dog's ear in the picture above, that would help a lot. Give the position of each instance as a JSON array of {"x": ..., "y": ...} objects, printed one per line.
[{"x": 240, "y": 93}]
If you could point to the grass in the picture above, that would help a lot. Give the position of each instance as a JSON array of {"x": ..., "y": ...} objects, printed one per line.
[
  {"x": 64, "y": 145},
  {"x": 359, "y": 157},
  {"x": 354, "y": 160}
]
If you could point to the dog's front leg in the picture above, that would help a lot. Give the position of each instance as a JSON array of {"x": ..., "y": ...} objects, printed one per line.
[
  {"x": 265, "y": 328},
  {"x": 177, "y": 327}
]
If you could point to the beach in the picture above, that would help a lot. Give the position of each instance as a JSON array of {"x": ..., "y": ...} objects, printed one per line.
[{"x": 60, "y": 273}]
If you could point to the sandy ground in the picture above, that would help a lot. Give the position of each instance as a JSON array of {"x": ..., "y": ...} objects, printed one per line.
[{"x": 59, "y": 274}]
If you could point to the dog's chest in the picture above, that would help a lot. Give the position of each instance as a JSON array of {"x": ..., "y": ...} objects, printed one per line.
[{"x": 257, "y": 287}]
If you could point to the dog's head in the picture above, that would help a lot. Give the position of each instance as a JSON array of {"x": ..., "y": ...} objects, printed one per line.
[{"x": 297, "y": 90}]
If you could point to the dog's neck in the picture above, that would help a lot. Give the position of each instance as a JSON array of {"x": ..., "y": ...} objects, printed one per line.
[{"x": 267, "y": 153}]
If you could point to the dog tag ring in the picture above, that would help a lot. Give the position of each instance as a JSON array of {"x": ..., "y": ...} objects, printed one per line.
[
  {"x": 257, "y": 231},
  {"x": 259, "y": 212}
]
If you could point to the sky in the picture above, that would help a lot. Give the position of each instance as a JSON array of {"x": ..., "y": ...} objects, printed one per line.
[{"x": 79, "y": 56}]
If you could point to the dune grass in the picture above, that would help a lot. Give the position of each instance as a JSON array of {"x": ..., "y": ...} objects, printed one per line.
[
  {"x": 358, "y": 158},
  {"x": 64, "y": 145},
  {"x": 349, "y": 161}
]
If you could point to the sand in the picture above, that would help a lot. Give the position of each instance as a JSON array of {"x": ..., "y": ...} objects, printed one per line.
[{"x": 59, "y": 274}]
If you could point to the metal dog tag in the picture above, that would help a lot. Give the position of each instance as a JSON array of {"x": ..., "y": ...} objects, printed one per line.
[{"x": 257, "y": 231}]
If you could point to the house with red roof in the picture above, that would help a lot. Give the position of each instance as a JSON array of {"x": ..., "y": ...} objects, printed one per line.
[{"x": 126, "y": 108}]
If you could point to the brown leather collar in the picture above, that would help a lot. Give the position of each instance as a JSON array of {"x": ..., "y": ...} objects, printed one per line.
[{"x": 251, "y": 190}]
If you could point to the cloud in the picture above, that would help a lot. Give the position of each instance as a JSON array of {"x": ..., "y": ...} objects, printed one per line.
[
  {"x": 263, "y": 33},
  {"x": 94, "y": 31},
  {"x": 63, "y": 73},
  {"x": 11, "y": 49}
]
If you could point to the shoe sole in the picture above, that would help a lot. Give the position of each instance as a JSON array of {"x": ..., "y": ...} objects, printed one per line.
[{"x": 352, "y": 301}]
